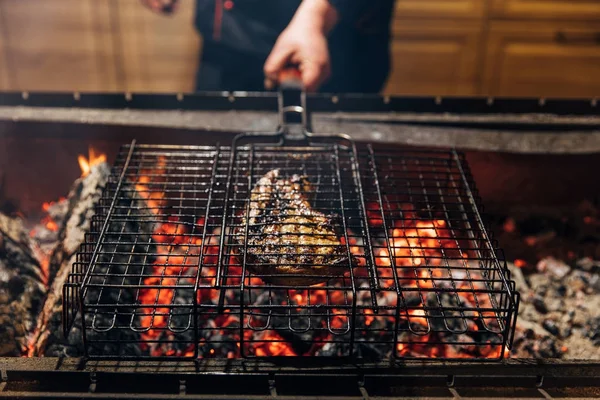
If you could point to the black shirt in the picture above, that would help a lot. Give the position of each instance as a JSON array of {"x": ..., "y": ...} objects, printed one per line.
[{"x": 243, "y": 34}]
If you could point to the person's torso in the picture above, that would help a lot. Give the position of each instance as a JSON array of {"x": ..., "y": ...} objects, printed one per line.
[
  {"x": 247, "y": 25},
  {"x": 254, "y": 25},
  {"x": 359, "y": 49}
]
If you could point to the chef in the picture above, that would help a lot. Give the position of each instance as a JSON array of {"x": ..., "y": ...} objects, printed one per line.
[{"x": 338, "y": 45}]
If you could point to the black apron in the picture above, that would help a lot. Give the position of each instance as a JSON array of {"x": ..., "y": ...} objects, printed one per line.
[{"x": 238, "y": 36}]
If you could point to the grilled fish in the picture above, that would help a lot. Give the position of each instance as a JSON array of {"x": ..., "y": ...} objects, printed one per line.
[{"x": 288, "y": 242}]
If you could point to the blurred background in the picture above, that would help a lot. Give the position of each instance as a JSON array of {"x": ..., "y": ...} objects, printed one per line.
[{"x": 547, "y": 48}]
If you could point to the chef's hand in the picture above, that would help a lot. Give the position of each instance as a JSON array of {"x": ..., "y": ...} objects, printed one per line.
[
  {"x": 304, "y": 43},
  {"x": 161, "y": 6}
]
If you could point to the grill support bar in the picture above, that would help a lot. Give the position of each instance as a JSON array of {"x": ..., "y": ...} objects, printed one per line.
[{"x": 74, "y": 378}]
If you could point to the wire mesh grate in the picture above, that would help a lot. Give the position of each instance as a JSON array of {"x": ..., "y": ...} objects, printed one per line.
[{"x": 294, "y": 251}]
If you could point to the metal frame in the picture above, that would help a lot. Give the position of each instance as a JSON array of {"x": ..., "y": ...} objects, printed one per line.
[
  {"x": 305, "y": 378},
  {"x": 422, "y": 177},
  {"x": 268, "y": 101}
]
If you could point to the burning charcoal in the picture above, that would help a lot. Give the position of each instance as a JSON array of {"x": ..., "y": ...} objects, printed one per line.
[
  {"x": 47, "y": 231},
  {"x": 580, "y": 282},
  {"x": 298, "y": 327},
  {"x": 219, "y": 336},
  {"x": 540, "y": 282},
  {"x": 595, "y": 283},
  {"x": 547, "y": 348},
  {"x": 566, "y": 319},
  {"x": 539, "y": 304},
  {"x": 58, "y": 210},
  {"x": 554, "y": 303},
  {"x": 444, "y": 320},
  {"x": 579, "y": 319},
  {"x": 82, "y": 199},
  {"x": 594, "y": 331},
  {"x": 370, "y": 351},
  {"x": 333, "y": 349},
  {"x": 517, "y": 275},
  {"x": 550, "y": 326},
  {"x": 121, "y": 259},
  {"x": 553, "y": 267},
  {"x": 529, "y": 334},
  {"x": 412, "y": 299},
  {"x": 21, "y": 287},
  {"x": 566, "y": 332},
  {"x": 13, "y": 329},
  {"x": 588, "y": 264},
  {"x": 301, "y": 342},
  {"x": 530, "y": 344}
]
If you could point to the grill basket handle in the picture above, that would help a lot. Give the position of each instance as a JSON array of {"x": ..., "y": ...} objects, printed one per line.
[{"x": 293, "y": 115}]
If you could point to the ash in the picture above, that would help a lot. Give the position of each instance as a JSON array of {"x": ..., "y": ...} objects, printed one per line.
[
  {"x": 560, "y": 310},
  {"x": 556, "y": 267}
]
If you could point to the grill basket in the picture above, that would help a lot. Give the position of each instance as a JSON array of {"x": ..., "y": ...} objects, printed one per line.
[{"x": 161, "y": 274}]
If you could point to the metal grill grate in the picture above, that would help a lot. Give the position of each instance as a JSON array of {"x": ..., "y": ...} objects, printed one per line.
[{"x": 166, "y": 271}]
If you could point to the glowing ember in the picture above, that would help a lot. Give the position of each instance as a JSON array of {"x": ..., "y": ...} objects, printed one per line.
[
  {"x": 519, "y": 263},
  {"x": 50, "y": 224},
  {"x": 509, "y": 225},
  {"x": 418, "y": 264},
  {"x": 45, "y": 266},
  {"x": 273, "y": 345}
]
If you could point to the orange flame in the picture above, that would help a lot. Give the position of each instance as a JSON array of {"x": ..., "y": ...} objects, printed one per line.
[
  {"x": 272, "y": 345},
  {"x": 50, "y": 224},
  {"x": 417, "y": 250},
  {"x": 86, "y": 164}
]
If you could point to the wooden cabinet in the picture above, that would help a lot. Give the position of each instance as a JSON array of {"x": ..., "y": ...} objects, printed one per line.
[
  {"x": 435, "y": 57},
  {"x": 440, "y": 8},
  {"x": 547, "y": 9},
  {"x": 58, "y": 45},
  {"x": 537, "y": 48},
  {"x": 550, "y": 59},
  {"x": 96, "y": 45},
  {"x": 547, "y": 48},
  {"x": 159, "y": 53},
  {"x": 4, "y": 69}
]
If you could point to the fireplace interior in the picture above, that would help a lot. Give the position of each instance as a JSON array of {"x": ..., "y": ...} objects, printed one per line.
[{"x": 144, "y": 224}]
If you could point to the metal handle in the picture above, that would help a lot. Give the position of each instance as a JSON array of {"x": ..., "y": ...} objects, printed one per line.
[{"x": 293, "y": 115}]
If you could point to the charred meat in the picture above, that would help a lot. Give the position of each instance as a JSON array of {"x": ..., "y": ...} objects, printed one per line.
[{"x": 288, "y": 242}]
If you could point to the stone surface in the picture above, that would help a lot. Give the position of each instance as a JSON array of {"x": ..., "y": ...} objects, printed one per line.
[{"x": 401, "y": 128}]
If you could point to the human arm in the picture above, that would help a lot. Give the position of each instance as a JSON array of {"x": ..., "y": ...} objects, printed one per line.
[{"x": 304, "y": 43}]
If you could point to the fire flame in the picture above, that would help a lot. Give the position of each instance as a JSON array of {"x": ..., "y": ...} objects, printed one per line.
[
  {"x": 86, "y": 164},
  {"x": 415, "y": 258},
  {"x": 49, "y": 223}
]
